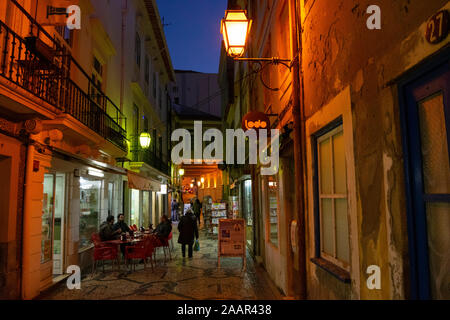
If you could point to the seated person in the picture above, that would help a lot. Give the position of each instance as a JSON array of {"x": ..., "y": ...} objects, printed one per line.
[
  {"x": 163, "y": 229},
  {"x": 107, "y": 231},
  {"x": 120, "y": 224}
]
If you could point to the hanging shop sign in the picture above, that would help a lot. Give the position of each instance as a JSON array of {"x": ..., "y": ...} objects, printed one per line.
[
  {"x": 232, "y": 239},
  {"x": 437, "y": 27},
  {"x": 255, "y": 120}
]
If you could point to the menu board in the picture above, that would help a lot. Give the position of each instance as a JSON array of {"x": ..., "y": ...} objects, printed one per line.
[{"x": 232, "y": 239}]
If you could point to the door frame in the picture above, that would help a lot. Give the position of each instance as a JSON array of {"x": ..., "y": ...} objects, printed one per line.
[{"x": 424, "y": 73}]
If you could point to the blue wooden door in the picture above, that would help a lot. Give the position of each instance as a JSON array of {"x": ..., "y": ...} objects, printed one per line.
[{"x": 427, "y": 144}]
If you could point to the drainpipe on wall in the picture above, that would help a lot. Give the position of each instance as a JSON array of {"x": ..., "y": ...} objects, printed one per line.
[
  {"x": 297, "y": 112},
  {"x": 122, "y": 48}
]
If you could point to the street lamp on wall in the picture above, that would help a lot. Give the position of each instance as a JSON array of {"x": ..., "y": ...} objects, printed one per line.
[
  {"x": 181, "y": 172},
  {"x": 145, "y": 140},
  {"x": 235, "y": 29}
]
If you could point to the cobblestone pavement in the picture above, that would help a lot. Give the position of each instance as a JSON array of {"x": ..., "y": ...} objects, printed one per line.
[{"x": 196, "y": 278}]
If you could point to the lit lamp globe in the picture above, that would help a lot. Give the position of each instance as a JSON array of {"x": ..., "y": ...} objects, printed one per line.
[
  {"x": 181, "y": 172},
  {"x": 202, "y": 180},
  {"x": 235, "y": 28},
  {"x": 145, "y": 140}
]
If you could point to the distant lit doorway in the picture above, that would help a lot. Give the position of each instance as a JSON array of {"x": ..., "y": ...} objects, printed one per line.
[{"x": 247, "y": 212}]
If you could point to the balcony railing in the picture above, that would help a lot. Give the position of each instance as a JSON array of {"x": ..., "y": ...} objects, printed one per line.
[
  {"x": 44, "y": 67},
  {"x": 151, "y": 158}
]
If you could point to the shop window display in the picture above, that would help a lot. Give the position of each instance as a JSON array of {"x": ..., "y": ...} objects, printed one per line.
[
  {"x": 272, "y": 182},
  {"x": 47, "y": 219},
  {"x": 135, "y": 199},
  {"x": 248, "y": 210},
  {"x": 58, "y": 226},
  {"x": 89, "y": 209},
  {"x": 146, "y": 209}
]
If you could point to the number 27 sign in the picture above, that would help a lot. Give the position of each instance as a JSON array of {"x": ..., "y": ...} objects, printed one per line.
[{"x": 437, "y": 27}]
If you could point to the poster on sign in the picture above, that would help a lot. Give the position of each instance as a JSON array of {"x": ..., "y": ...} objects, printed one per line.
[
  {"x": 232, "y": 239},
  {"x": 232, "y": 229},
  {"x": 232, "y": 248}
]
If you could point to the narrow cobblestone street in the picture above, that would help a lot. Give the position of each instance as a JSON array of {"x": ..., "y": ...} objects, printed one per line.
[{"x": 196, "y": 278}]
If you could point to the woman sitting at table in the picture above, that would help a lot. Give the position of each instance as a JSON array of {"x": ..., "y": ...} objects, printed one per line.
[{"x": 163, "y": 229}]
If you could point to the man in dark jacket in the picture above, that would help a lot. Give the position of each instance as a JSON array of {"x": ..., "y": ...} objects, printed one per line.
[
  {"x": 120, "y": 224},
  {"x": 107, "y": 231},
  {"x": 164, "y": 228},
  {"x": 188, "y": 230}
]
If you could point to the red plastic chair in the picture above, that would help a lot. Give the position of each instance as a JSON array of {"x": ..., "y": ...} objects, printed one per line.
[
  {"x": 164, "y": 244},
  {"x": 170, "y": 238},
  {"x": 96, "y": 240},
  {"x": 139, "y": 251},
  {"x": 149, "y": 249},
  {"x": 103, "y": 252}
]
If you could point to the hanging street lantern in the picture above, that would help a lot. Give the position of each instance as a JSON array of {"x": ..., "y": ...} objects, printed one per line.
[
  {"x": 235, "y": 29},
  {"x": 145, "y": 140}
]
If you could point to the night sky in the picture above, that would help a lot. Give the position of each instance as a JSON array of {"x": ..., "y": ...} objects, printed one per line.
[{"x": 193, "y": 35}]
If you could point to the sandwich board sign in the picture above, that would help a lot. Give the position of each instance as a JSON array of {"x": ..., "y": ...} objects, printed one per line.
[{"x": 232, "y": 239}]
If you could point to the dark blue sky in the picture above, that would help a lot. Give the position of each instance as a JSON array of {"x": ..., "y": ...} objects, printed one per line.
[{"x": 193, "y": 37}]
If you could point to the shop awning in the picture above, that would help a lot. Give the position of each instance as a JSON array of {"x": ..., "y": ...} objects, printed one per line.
[{"x": 138, "y": 182}]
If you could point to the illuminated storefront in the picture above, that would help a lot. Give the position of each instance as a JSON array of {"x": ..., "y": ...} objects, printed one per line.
[{"x": 76, "y": 199}]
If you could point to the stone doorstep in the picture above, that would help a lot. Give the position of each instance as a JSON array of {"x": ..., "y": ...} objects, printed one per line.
[{"x": 48, "y": 288}]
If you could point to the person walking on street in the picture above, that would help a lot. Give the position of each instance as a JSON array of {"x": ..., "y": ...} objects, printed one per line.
[
  {"x": 197, "y": 209},
  {"x": 174, "y": 210},
  {"x": 188, "y": 231}
]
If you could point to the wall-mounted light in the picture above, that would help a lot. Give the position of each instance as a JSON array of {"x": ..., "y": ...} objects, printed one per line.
[
  {"x": 145, "y": 139},
  {"x": 96, "y": 173},
  {"x": 181, "y": 172},
  {"x": 202, "y": 179}
]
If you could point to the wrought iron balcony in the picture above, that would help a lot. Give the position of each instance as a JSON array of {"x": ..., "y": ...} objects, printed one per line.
[
  {"x": 151, "y": 158},
  {"x": 43, "y": 66}
]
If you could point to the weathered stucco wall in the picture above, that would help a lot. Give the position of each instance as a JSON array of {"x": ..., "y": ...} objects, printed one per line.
[{"x": 339, "y": 50}]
